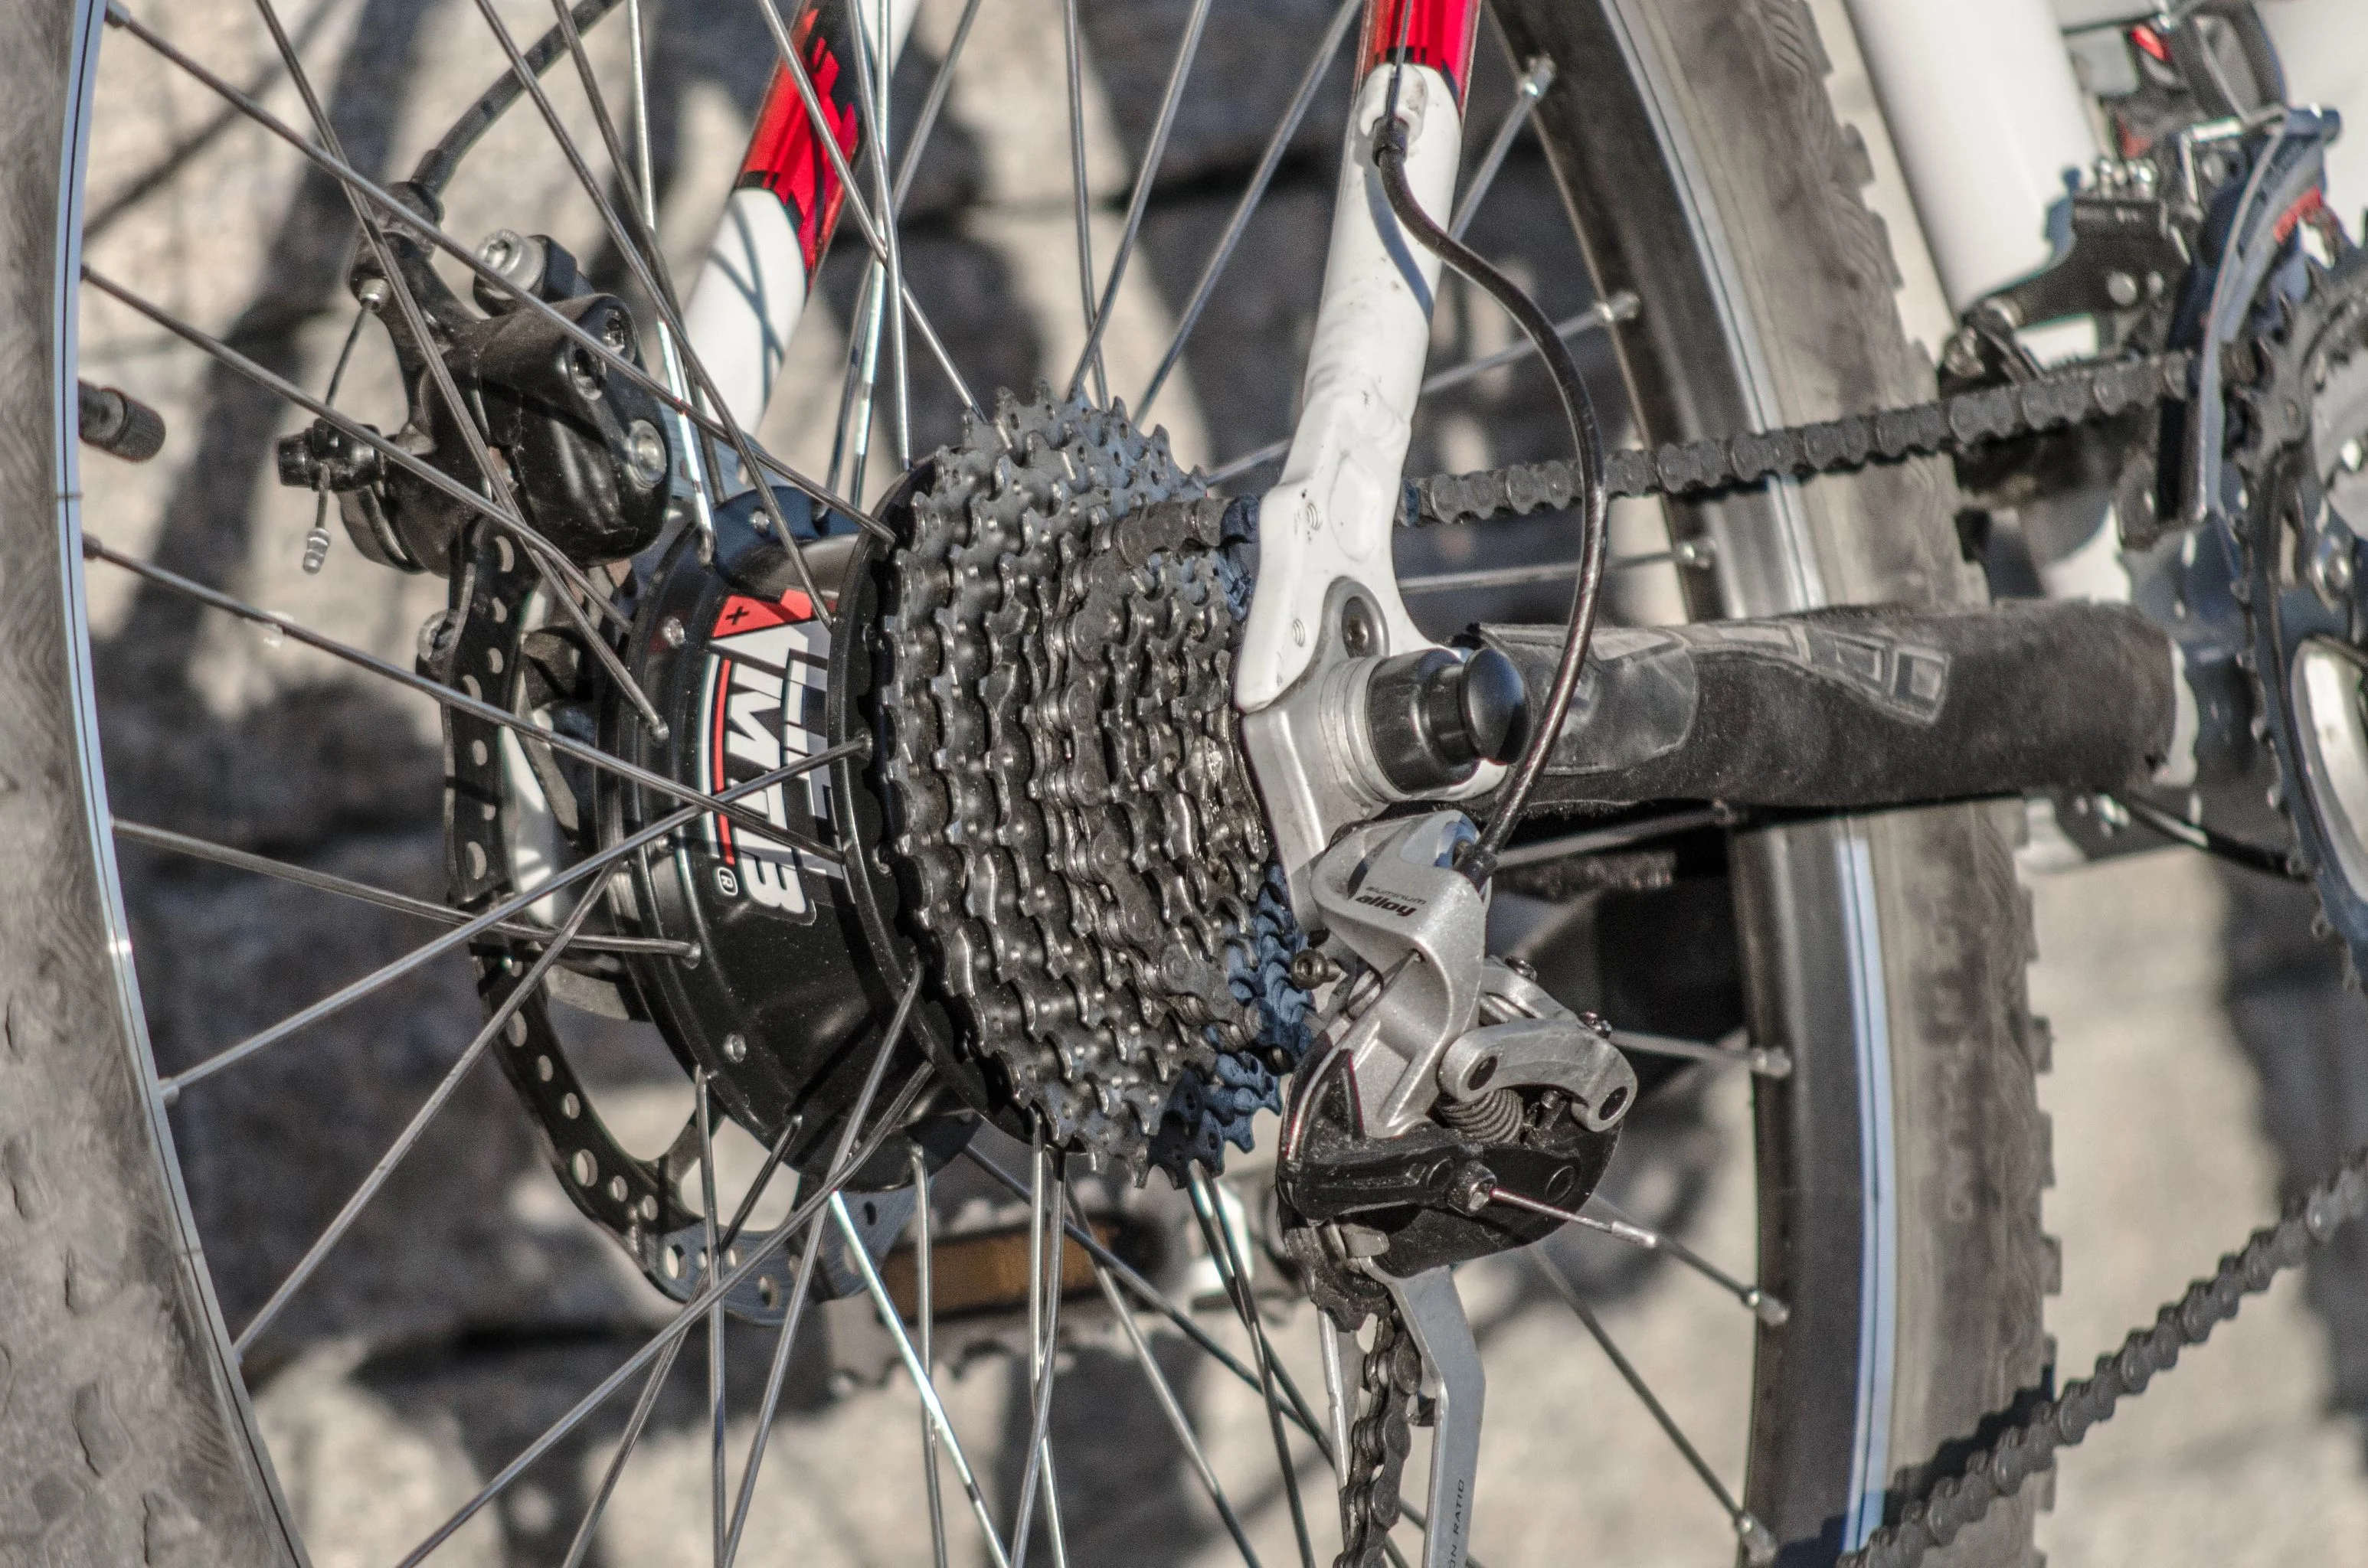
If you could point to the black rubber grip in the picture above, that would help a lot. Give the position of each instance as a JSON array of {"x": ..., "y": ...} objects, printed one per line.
[
  {"x": 120, "y": 424},
  {"x": 1851, "y": 708}
]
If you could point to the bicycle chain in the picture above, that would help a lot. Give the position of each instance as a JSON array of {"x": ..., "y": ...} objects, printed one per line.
[
  {"x": 2029, "y": 1446},
  {"x": 1949, "y": 426},
  {"x": 2053, "y": 401},
  {"x": 1390, "y": 1376},
  {"x": 1091, "y": 859}
]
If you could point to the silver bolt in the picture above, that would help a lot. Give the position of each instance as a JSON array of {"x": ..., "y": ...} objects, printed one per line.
[
  {"x": 736, "y": 1048},
  {"x": 2329, "y": 568},
  {"x": 2122, "y": 288},
  {"x": 670, "y": 632},
  {"x": 373, "y": 294},
  {"x": 513, "y": 255},
  {"x": 645, "y": 452}
]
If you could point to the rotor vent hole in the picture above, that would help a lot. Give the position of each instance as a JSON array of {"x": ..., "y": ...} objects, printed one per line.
[
  {"x": 478, "y": 754},
  {"x": 544, "y": 1069},
  {"x": 617, "y": 1190},
  {"x": 571, "y": 1108},
  {"x": 672, "y": 1262},
  {"x": 582, "y": 1166},
  {"x": 517, "y": 1029},
  {"x": 474, "y": 855}
]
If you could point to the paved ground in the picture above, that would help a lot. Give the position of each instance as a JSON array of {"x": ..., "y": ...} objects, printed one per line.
[{"x": 2204, "y": 1054}]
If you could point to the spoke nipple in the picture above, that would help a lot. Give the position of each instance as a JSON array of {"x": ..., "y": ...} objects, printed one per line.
[
  {"x": 1770, "y": 1309},
  {"x": 1759, "y": 1541}
]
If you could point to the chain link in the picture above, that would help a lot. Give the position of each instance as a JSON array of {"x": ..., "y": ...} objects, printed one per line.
[
  {"x": 2029, "y": 1446},
  {"x": 1390, "y": 1376},
  {"x": 1961, "y": 422}
]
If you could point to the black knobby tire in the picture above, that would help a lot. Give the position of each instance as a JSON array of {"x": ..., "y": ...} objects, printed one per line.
[
  {"x": 1699, "y": 154},
  {"x": 1707, "y": 173}
]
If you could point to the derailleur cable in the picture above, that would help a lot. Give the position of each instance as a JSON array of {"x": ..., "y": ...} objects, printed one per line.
[{"x": 1592, "y": 491}]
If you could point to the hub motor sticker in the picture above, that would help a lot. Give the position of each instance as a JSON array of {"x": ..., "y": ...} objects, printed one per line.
[{"x": 767, "y": 667}]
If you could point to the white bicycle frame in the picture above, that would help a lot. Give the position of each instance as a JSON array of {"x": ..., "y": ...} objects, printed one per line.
[{"x": 1990, "y": 128}]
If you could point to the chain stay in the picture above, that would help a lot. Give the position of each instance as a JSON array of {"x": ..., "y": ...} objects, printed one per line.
[{"x": 2058, "y": 400}]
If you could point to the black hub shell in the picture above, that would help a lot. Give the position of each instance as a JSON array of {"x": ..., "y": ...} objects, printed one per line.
[{"x": 802, "y": 964}]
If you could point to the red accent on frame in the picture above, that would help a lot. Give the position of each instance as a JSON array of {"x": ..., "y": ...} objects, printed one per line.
[
  {"x": 1438, "y": 34},
  {"x": 786, "y": 157}
]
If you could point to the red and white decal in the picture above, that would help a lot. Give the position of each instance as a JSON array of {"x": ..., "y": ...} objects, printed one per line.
[
  {"x": 783, "y": 210},
  {"x": 767, "y": 670}
]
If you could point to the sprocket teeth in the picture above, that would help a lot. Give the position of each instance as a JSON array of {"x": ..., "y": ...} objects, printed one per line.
[{"x": 1100, "y": 869}]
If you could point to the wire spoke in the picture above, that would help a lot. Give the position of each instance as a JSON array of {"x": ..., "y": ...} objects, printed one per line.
[
  {"x": 936, "y": 101},
  {"x": 1687, "y": 553},
  {"x": 644, "y": 1406},
  {"x": 691, "y": 1312},
  {"x": 1759, "y": 1545},
  {"x": 1145, "y": 1291},
  {"x": 647, "y": 1403},
  {"x": 1220, "y": 1243},
  {"x": 856, "y": 206},
  {"x": 536, "y": 546},
  {"x": 1073, "y": 62},
  {"x": 1141, "y": 203},
  {"x": 410, "y": 1136},
  {"x": 1528, "y": 91},
  {"x": 872, "y": 64},
  {"x": 325, "y": 881},
  {"x": 170, "y": 1089},
  {"x": 703, "y": 1110},
  {"x": 1620, "y": 307},
  {"x": 925, "y": 1304},
  {"x": 885, "y": 1309},
  {"x": 418, "y": 223},
  {"x": 658, "y": 783},
  {"x": 1171, "y": 1407},
  {"x": 640, "y": 251},
  {"x": 1238, "y": 224},
  {"x": 1043, "y": 1328},
  {"x": 1594, "y": 318},
  {"x": 778, "y": 1373},
  {"x": 1619, "y": 835},
  {"x": 552, "y": 565}
]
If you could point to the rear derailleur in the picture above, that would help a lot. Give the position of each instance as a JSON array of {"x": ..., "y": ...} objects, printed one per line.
[{"x": 1450, "y": 1108}]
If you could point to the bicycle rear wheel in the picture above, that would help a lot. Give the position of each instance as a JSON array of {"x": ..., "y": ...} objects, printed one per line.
[{"x": 1897, "y": 1169}]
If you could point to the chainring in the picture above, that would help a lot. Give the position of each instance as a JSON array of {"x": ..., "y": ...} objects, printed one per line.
[
  {"x": 1073, "y": 814},
  {"x": 2278, "y": 514}
]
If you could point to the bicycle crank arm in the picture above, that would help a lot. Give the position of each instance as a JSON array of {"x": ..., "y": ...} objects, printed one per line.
[{"x": 1861, "y": 709}]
